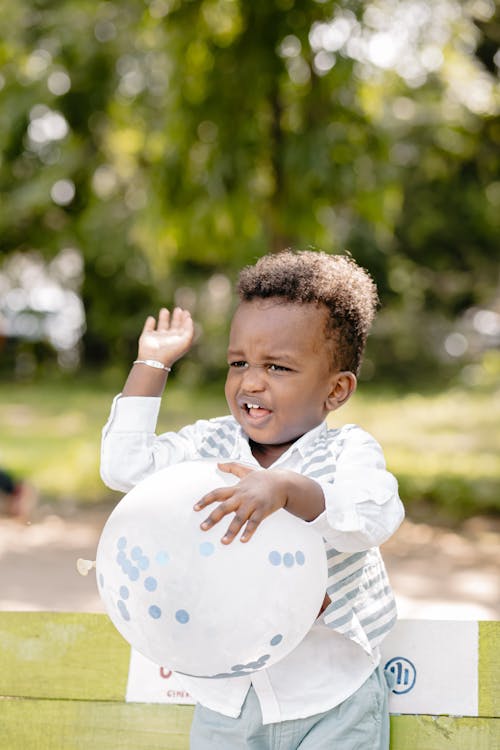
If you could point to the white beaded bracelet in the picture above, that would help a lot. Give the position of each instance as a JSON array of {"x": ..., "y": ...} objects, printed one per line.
[{"x": 152, "y": 363}]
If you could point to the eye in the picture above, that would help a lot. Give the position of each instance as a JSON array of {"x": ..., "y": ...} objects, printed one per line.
[
  {"x": 278, "y": 368},
  {"x": 238, "y": 364}
]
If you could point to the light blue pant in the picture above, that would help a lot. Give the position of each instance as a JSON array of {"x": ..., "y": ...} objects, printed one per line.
[{"x": 359, "y": 723}]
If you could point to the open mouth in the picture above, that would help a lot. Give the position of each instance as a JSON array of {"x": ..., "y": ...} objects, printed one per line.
[{"x": 255, "y": 411}]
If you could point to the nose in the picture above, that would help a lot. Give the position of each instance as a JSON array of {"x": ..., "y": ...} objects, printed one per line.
[{"x": 253, "y": 378}]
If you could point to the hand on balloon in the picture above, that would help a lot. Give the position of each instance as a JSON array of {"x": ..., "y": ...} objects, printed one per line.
[
  {"x": 168, "y": 340},
  {"x": 258, "y": 494}
]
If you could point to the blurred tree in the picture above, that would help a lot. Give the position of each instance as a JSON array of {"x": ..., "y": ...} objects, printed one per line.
[{"x": 174, "y": 140}]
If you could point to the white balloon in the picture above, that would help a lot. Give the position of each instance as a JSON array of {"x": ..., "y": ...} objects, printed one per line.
[{"x": 185, "y": 600}]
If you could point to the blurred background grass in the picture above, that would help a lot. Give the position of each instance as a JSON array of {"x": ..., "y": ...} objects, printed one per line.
[{"x": 443, "y": 447}]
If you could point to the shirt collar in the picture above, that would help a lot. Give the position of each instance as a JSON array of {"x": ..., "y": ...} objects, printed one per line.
[{"x": 302, "y": 445}]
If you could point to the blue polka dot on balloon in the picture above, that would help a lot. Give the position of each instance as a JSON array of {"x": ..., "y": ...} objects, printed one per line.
[
  {"x": 123, "y": 610},
  {"x": 143, "y": 563},
  {"x": 207, "y": 549},
  {"x": 150, "y": 583},
  {"x": 136, "y": 553},
  {"x": 300, "y": 557},
  {"x": 162, "y": 557},
  {"x": 126, "y": 566},
  {"x": 124, "y": 592},
  {"x": 182, "y": 616},
  {"x": 155, "y": 612},
  {"x": 121, "y": 557},
  {"x": 275, "y": 558},
  {"x": 288, "y": 559},
  {"x": 264, "y": 658},
  {"x": 122, "y": 542},
  {"x": 237, "y": 667},
  {"x": 133, "y": 573},
  {"x": 276, "y": 639}
]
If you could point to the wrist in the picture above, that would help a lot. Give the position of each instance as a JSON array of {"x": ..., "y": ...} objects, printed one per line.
[
  {"x": 304, "y": 496},
  {"x": 145, "y": 380},
  {"x": 283, "y": 485},
  {"x": 154, "y": 363}
]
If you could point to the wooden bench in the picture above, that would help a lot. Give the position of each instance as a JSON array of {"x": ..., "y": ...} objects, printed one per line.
[{"x": 64, "y": 680}]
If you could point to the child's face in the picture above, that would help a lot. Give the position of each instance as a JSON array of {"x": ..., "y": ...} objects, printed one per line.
[{"x": 281, "y": 382}]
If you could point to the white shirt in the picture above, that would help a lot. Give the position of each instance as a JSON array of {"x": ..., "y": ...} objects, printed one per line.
[{"x": 362, "y": 510}]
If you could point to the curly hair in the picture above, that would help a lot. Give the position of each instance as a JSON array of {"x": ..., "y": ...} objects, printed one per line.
[{"x": 333, "y": 281}]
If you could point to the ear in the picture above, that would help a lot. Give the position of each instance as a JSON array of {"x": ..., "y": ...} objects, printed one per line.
[{"x": 343, "y": 385}]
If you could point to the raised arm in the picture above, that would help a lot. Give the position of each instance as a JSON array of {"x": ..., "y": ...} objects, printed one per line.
[
  {"x": 130, "y": 448},
  {"x": 163, "y": 343}
]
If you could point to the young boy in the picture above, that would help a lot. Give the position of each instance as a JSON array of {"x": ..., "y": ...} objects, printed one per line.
[{"x": 295, "y": 347}]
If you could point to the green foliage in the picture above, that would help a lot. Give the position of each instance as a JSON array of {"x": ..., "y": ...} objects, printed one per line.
[{"x": 172, "y": 141}]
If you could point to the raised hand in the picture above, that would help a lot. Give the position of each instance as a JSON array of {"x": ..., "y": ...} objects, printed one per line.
[
  {"x": 164, "y": 342},
  {"x": 169, "y": 339}
]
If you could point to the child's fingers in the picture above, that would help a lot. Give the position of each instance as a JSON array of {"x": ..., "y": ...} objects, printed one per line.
[
  {"x": 186, "y": 316},
  {"x": 252, "y": 524},
  {"x": 229, "y": 506},
  {"x": 232, "y": 467},
  {"x": 188, "y": 324},
  {"x": 178, "y": 317},
  {"x": 215, "y": 496},
  {"x": 149, "y": 325},
  {"x": 163, "y": 319},
  {"x": 182, "y": 322},
  {"x": 234, "y": 527},
  {"x": 237, "y": 524}
]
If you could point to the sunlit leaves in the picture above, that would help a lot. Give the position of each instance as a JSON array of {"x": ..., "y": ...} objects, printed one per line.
[{"x": 171, "y": 138}]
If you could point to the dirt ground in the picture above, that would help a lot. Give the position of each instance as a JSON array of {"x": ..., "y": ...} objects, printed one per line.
[{"x": 436, "y": 573}]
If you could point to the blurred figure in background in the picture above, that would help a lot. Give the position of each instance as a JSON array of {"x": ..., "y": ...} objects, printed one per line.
[{"x": 18, "y": 498}]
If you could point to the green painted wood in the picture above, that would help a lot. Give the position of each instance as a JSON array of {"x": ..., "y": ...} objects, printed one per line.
[
  {"x": 65, "y": 674},
  {"x": 489, "y": 669},
  {"x": 62, "y": 655},
  {"x": 444, "y": 733},
  {"x": 86, "y": 725}
]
